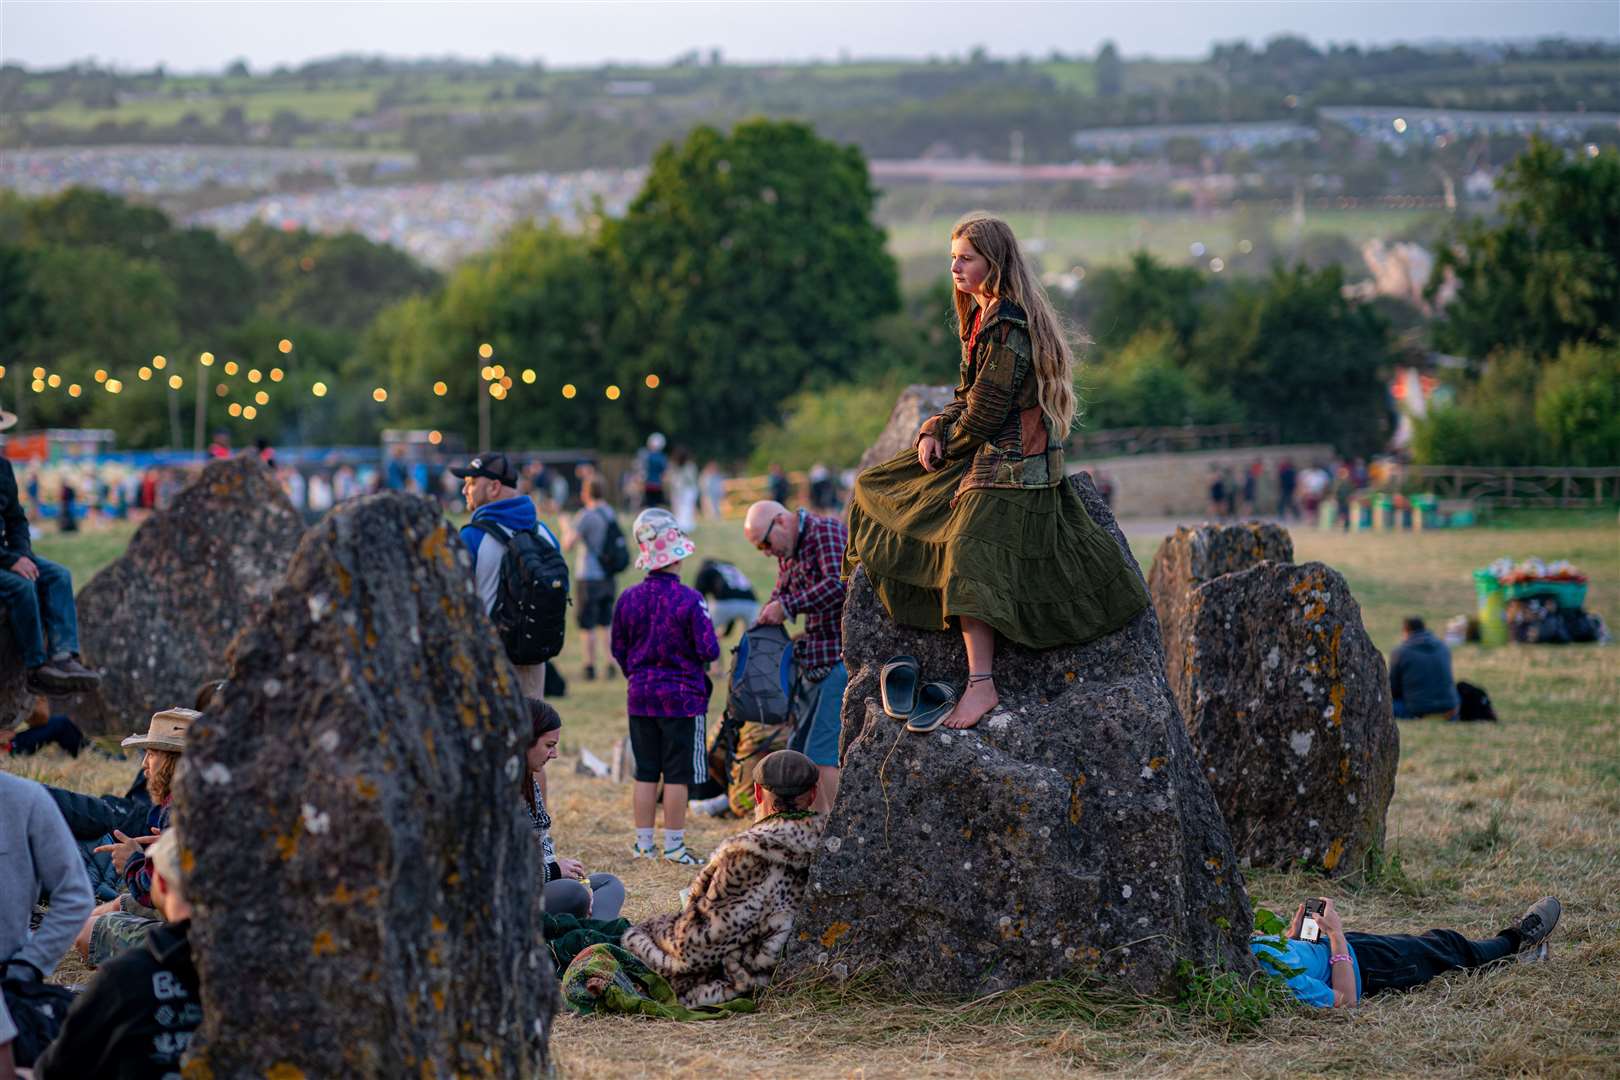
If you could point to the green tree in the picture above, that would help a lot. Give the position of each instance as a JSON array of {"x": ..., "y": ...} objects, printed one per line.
[
  {"x": 1110, "y": 71},
  {"x": 1491, "y": 422},
  {"x": 1144, "y": 295},
  {"x": 1548, "y": 273},
  {"x": 339, "y": 281},
  {"x": 1146, "y": 385},
  {"x": 1578, "y": 405},
  {"x": 1295, "y": 353},
  {"x": 748, "y": 266}
]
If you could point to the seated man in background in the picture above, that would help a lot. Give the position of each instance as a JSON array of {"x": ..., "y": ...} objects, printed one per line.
[
  {"x": 1339, "y": 969},
  {"x": 136, "y": 1018},
  {"x": 1420, "y": 678},
  {"x": 736, "y": 924}
]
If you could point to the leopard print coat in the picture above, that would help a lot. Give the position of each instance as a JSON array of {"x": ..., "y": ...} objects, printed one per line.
[{"x": 731, "y": 935}]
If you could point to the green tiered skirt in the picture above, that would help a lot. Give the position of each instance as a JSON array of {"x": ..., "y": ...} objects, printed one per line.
[{"x": 1028, "y": 561}]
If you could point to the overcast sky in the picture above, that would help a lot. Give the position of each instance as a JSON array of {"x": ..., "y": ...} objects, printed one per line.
[{"x": 205, "y": 35}]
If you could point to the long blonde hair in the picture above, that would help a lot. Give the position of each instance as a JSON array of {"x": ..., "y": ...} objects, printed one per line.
[{"x": 1010, "y": 278}]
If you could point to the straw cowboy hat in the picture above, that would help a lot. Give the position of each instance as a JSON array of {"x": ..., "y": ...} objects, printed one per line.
[
  {"x": 167, "y": 731},
  {"x": 8, "y": 420}
]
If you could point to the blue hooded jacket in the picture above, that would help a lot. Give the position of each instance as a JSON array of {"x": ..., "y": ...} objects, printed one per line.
[{"x": 514, "y": 515}]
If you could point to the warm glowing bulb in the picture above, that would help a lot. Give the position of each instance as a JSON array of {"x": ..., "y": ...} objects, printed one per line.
[
  {"x": 145, "y": 373},
  {"x": 39, "y": 373},
  {"x": 486, "y": 373},
  {"x": 114, "y": 385},
  {"x": 276, "y": 374},
  {"x": 319, "y": 389},
  {"x": 440, "y": 389},
  {"x": 221, "y": 390},
  {"x": 568, "y": 390},
  {"x": 206, "y": 359},
  {"x": 435, "y": 438},
  {"x": 506, "y": 382},
  {"x": 176, "y": 382},
  {"x": 379, "y": 395},
  {"x": 528, "y": 375},
  {"x": 74, "y": 390},
  {"x": 485, "y": 351},
  {"x": 235, "y": 409},
  {"x": 38, "y": 386},
  {"x": 101, "y": 375},
  {"x": 497, "y": 391},
  {"x": 284, "y": 345},
  {"x": 253, "y": 375},
  {"x": 53, "y": 380},
  {"x": 231, "y": 367},
  {"x": 262, "y": 398},
  {"x": 249, "y": 412},
  {"x": 652, "y": 382},
  {"x": 500, "y": 372},
  {"x": 612, "y": 393},
  {"x": 160, "y": 362}
]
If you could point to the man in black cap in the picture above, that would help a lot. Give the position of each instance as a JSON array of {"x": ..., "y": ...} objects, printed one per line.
[
  {"x": 489, "y": 484},
  {"x": 732, "y": 933}
]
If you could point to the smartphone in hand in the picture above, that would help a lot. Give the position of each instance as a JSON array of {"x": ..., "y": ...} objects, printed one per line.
[{"x": 1309, "y": 928}]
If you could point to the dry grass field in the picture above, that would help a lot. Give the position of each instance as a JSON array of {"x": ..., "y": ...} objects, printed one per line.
[{"x": 1486, "y": 819}]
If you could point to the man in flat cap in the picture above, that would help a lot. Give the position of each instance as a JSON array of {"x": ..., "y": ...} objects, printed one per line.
[{"x": 734, "y": 929}]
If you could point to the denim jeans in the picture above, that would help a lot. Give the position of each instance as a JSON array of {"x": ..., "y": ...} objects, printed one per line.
[
  {"x": 41, "y": 611},
  {"x": 1403, "y": 961}
]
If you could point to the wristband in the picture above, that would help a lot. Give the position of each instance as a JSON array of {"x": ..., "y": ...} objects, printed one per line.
[{"x": 1338, "y": 958}]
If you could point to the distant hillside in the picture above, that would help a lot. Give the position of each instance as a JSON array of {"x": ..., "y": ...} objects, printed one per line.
[{"x": 503, "y": 116}]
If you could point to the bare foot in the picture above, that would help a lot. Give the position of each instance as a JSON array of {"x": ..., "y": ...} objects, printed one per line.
[{"x": 978, "y": 699}]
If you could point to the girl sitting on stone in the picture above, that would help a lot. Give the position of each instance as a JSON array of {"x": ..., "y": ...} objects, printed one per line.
[
  {"x": 975, "y": 527},
  {"x": 568, "y": 890}
]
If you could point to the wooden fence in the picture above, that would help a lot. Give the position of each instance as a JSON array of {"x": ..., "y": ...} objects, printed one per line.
[
  {"x": 1117, "y": 442},
  {"x": 1505, "y": 487}
]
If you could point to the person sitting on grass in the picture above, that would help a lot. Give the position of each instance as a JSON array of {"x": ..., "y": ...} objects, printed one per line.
[
  {"x": 136, "y": 1018},
  {"x": 125, "y": 921},
  {"x": 741, "y": 906},
  {"x": 1420, "y": 679},
  {"x": 1340, "y": 968},
  {"x": 568, "y": 889}
]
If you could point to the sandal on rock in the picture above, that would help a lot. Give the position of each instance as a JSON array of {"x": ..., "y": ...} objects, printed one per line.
[
  {"x": 935, "y": 701},
  {"x": 898, "y": 685}
]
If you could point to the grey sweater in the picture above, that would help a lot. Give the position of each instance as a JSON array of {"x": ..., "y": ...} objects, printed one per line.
[{"x": 37, "y": 854}]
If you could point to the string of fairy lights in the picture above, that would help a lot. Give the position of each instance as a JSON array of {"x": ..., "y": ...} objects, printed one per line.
[{"x": 497, "y": 380}]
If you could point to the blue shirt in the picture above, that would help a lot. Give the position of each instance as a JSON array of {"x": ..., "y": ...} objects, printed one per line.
[{"x": 1314, "y": 984}]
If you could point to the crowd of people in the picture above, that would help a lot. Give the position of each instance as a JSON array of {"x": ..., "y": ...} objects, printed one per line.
[
  {"x": 973, "y": 530},
  {"x": 1287, "y": 491}
]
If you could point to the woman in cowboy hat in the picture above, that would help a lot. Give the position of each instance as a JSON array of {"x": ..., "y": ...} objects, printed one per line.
[{"x": 121, "y": 923}]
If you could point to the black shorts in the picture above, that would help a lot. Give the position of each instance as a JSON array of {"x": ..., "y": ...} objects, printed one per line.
[
  {"x": 595, "y": 603},
  {"x": 671, "y": 747}
]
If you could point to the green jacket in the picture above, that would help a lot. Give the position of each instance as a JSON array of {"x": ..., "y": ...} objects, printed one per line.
[{"x": 996, "y": 418}]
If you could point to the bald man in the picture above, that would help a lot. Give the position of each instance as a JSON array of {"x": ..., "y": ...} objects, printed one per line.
[{"x": 809, "y": 552}]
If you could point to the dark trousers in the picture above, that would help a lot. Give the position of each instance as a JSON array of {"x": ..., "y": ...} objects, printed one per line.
[
  {"x": 41, "y": 611},
  {"x": 58, "y": 729},
  {"x": 1402, "y": 961}
]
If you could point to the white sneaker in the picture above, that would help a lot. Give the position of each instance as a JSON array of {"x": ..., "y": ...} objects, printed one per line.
[{"x": 715, "y": 807}]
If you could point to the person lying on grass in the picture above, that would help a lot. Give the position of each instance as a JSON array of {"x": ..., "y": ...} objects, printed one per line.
[
  {"x": 1339, "y": 969},
  {"x": 727, "y": 941}
]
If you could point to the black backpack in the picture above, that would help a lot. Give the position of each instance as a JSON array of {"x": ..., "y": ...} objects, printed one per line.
[
  {"x": 614, "y": 553},
  {"x": 531, "y": 601},
  {"x": 762, "y": 682},
  {"x": 37, "y": 1009}
]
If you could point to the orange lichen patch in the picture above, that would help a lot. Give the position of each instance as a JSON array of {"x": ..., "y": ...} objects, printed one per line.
[
  {"x": 1336, "y": 699},
  {"x": 1068, "y": 676},
  {"x": 831, "y": 935},
  {"x": 427, "y": 741},
  {"x": 433, "y": 545},
  {"x": 1344, "y": 770},
  {"x": 1213, "y": 862},
  {"x": 196, "y": 1069},
  {"x": 324, "y": 945},
  {"x": 371, "y": 637},
  {"x": 283, "y": 1070},
  {"x": 469, "y": 716},
  {"x": 188, "y": 861},
  {"x": 287, "y": 843},
  {"x": 1075, "y": 808},
  {"x": 365, "y": 787},
  {"x": 345, "y": 580},
  {"x": 804, "y": 935},
  {"x": 342, "y": 894},
  {"x": 453, "y": 879},
  {"x": 438, "y": 925},
  {"x": 1158, "y": 763},
  {"x": 1335, "y": 852}
]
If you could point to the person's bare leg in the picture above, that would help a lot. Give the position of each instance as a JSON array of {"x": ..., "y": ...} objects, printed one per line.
[
  {"x": 674, "y": 807},
  {"x": 980, "y": 695},
  {"x": 590, "y": 648},
  {"x": 827, "y": 792},
  {"x": 645, "y": 803}
]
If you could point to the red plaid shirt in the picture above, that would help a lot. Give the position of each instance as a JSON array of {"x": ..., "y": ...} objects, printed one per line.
[{"x": 808, "y": 583}]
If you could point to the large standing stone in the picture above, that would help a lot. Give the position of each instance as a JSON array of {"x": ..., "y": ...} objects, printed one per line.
[
  {"x": 1070, "y": 833},
  {"x": 915, "y": 404},
  {"x": 365, "y": 879},
  {"x": 1194, "y": 555},
  {"x": 15, "y": 697},
  {"x": 1287, "y": 700},
  {"x": 158, "y": 619}
]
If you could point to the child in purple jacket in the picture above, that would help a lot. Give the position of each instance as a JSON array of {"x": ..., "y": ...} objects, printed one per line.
[{"x": 663, "y": 640}]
